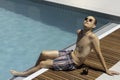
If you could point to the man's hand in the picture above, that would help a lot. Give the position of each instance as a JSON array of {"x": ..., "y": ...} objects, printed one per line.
[{"x": 111, "y": 73}]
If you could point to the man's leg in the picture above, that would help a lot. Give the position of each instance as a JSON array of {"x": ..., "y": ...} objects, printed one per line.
[
  {"x": 42, "y": 64},
  {"x": 44, "y": 55}
]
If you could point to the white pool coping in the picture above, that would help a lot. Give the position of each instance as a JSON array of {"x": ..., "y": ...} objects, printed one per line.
[
  {"x": 36, "y": 74},
  {"x": 107, "y": 32},
  {"x": 103, "y": 6},
  {"x": 105, "y": 76}
]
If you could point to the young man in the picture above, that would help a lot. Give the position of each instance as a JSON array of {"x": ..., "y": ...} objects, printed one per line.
[{"x": 70, "y": 60}]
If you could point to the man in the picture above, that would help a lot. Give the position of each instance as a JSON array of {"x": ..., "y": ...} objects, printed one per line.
[{"x": 70, "y": 60}]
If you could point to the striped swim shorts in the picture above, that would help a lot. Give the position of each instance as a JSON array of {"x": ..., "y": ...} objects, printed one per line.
[{"x": 64, "y": 61}]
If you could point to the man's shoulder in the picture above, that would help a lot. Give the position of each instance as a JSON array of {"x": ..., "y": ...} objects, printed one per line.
[
  {"x": 93, "y": 35},
  {"x": 78, "y": 31}
]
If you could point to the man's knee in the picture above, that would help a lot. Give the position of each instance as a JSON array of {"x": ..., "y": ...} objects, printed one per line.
[
  {"x": 44, "y": 53},
  {"x": 41, "y": 64},
  {"x": 46, "y": 64}
]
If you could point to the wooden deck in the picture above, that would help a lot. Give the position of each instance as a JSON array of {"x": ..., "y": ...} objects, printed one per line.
[{"x": 110, "y": 47}]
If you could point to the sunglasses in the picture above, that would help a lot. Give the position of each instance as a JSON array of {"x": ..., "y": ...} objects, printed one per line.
[{"x": 90, "y": 20}]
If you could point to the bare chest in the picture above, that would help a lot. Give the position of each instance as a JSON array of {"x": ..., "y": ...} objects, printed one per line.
[{"x": 83, "y": 41}]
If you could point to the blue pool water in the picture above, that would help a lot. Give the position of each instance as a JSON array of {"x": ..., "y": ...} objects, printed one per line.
[{"x": 27, "y": 28}]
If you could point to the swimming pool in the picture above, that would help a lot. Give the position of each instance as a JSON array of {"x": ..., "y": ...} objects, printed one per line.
[{"x": 27, "y": 28}]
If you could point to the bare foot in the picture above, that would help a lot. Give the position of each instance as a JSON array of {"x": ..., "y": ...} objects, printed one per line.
[{"x": 15, "y": 73}]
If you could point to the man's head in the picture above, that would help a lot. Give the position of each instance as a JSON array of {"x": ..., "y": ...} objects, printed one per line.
[{"x": 90, "y": 22}]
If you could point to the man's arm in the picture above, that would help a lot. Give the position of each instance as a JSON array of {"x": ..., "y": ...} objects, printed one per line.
[{"x": 96, "y": 47}]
